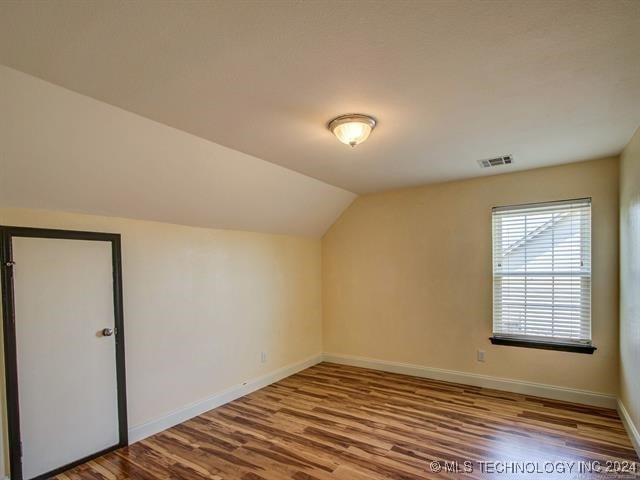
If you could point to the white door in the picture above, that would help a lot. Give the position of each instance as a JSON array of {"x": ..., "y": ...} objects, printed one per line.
[{"x": 63, "y": 291}]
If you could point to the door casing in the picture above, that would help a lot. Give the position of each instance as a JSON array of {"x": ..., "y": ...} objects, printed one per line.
[{"x": 10, "y": 350}]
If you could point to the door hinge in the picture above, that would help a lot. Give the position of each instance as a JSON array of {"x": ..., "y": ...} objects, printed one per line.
[{"x": 20, "y": 448}]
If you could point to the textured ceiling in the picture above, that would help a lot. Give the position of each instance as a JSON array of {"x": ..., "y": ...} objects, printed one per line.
[
  {"x": 450, "y": 82},
  {"x": 63, "y": 151}
]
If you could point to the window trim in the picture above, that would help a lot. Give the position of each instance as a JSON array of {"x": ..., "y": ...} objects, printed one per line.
[
  {"x": 544, "y": 345},
  {"x": 585, "y": 347}
]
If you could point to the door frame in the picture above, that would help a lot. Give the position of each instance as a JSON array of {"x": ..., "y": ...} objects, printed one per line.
[{"x": 10, "y": 348}]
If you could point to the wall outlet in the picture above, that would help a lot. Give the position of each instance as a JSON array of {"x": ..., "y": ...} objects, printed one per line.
[
  {"x": 263, "y": 357},
  {"x": 481, "y": 355}
]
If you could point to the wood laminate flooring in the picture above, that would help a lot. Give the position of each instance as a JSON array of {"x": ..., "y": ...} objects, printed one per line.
[{"x": 333, "y": 422}]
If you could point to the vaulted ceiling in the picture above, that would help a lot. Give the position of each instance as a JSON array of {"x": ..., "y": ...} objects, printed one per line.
[
  {"x": 60, "y": 150},
  {"x": 451, "y": 82}
]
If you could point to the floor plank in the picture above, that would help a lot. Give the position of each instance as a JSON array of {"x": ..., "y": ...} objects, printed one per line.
[{"x": 333, "y": 422}]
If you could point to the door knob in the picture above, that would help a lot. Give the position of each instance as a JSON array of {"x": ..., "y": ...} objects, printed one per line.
[{"x": 107, "y": 332}]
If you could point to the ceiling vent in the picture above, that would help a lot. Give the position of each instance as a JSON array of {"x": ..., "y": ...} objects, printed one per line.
[{"x": 496, "y": 162}]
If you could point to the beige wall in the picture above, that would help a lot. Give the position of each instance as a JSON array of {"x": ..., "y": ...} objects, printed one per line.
[
  {"x": 630, "y": 279},
  {"x": 201, "y": 305},
  {"x": 402, "y": 276},
  {"x": 407, "y": 277}
]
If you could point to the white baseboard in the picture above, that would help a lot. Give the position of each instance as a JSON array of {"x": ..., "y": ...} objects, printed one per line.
[
  {"x": 180, "y": 415},
  {"x": 633, "y": 432},
  {"x": 517, "y": 386},
  {"x": 139, "y": 432}
]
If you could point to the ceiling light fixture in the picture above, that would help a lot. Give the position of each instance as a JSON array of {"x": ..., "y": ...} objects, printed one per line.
[{"x": 352, "y": 129}]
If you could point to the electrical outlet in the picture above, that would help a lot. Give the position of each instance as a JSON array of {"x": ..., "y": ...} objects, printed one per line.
[
  {"x": 263, "y": 357},
  {"x": 481, "y": 355}
]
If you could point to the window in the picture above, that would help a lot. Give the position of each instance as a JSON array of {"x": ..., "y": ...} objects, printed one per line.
[{"x": 542, "y": 275}]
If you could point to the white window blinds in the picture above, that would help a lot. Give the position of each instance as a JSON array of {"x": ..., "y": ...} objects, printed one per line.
[{"x": 542, "y": 271}]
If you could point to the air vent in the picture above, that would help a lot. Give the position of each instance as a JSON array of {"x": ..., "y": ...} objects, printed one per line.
[{"x": 496, "y": 162}]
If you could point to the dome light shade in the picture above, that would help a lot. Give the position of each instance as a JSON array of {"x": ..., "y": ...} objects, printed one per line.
[{"x": 352, "y": 129}]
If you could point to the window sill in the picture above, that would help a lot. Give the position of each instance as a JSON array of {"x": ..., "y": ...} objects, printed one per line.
[{"x": 562, "y": 347}]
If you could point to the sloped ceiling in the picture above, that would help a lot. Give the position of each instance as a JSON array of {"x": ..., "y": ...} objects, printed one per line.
[
  {"x": 450, "y": 82},
  {"x": 63, "y": 151}
]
